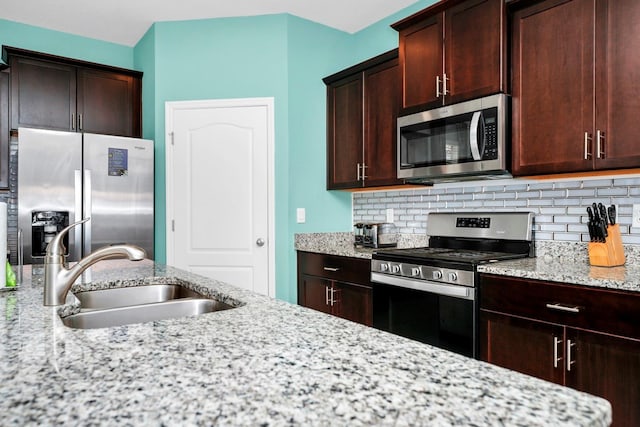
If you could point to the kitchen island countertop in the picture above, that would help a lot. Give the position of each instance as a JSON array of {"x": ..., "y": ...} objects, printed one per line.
[{"x": 266, "y": 362}]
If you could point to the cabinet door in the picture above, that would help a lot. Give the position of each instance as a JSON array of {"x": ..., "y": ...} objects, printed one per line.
[
  {"x": 553, "y": 87},
  {"x": 527, "y": 346},
  {"x": 43, "y": 94},
  {"x": 381, "y": 106},
  {"x": 105, "y": 103},
  {"x": 421, "y": 56},
  {"x": 474, "y": 34},
  {"x": 344, "y": 133},
  {"x": 313, "y": 293},
  {"x": 353, "y": 302},
  {"x": 609, "y": 367},
  {"x": 618, "y": 82}
]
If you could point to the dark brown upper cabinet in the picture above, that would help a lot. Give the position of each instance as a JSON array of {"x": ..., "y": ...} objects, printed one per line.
[
  {"x": 362, "y": 108},
  {"x": 452, "y": 51},
  {"x": 57, "y": 93},
  {"x": 575, "y": 85}
]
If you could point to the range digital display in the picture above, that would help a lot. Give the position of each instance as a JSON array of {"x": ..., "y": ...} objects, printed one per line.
[{"x": 473, "y": 222}]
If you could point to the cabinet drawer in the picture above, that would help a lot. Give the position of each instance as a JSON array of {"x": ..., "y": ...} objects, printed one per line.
[
  {"x": 333, "y": 267},
  {"x": 604, "y": 310}
]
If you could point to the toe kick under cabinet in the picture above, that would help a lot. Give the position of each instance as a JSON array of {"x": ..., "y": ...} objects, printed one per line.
[
  {"x": 336, "y": 285},
  {"x": 584, "y": 338}
]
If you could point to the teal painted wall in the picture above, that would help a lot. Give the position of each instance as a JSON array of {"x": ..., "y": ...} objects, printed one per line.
[
  {"x": 314, "y": 51},
  {"x": 63, "y": 44},
  {"x": 145, "y": 60}
]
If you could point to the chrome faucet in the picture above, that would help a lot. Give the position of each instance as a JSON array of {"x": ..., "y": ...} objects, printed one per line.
[{"x": 58, "y": 278}]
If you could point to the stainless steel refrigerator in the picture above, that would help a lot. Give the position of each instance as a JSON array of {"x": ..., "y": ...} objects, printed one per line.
[{"x": 64, "y": 177}]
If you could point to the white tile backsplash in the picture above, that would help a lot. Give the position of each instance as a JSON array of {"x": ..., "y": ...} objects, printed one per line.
[{"x": 559, "y": 206}]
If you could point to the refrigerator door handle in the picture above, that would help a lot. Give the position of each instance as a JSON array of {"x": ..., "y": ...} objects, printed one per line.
[
  {"x": 87, "y": 211},
  {"x": 77, "y": 240}
]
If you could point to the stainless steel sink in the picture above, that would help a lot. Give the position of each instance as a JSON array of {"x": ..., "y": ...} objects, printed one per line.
[
  {"x": 130, "y": 314},
  {"x": 136, "y": 295}
]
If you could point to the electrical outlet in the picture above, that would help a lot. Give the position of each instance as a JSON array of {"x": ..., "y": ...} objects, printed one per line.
[
  {"x": 635, "y": 222},
  {"x": 301, "y": 215},
  {"x": 390, "y": 215}
]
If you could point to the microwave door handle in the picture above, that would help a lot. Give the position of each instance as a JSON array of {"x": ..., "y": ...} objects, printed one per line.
[{"x": 473, "y": 136}]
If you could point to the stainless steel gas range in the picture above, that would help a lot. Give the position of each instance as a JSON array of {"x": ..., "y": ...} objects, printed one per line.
[{"x": 430, "y": 294}]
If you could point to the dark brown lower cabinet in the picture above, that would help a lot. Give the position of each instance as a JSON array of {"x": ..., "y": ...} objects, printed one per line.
[
  {"x": 555, "y": 345},
  {"x": 336, "y": 285}
]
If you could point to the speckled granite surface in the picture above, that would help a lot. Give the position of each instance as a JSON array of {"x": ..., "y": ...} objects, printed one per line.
[
  {"x": 266, "y": 362},
  {"x": 555, "y": 261},
  {"x": 341, "y": 243}
]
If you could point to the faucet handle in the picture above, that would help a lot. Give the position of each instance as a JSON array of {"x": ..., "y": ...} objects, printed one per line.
[{"x": 55, "y": 248}]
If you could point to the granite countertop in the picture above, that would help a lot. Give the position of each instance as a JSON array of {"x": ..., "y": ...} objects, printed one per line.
[
  {"x": 624, "y": 278},
  {"x": 265, "y": 362},
  {"x": 341, "y": 243},
  {"x": 564, "y": 262}
]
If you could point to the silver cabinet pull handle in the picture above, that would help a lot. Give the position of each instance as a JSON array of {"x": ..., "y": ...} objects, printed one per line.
[
  {"x": 599, "y": 144},
  {"x": 358, "y": 173},
  {"x": 438, "y": 87},
  {"x": 569, "y": 361},
  {"x": 326, "y": 295},
  {"x": 570, "y": 309},
  {"x": 334, "y": 269},
  {"x": 79, "y": 121},
  {"x": 445, "y": 91},
  {"x": 556, "y": 341},
  {"x": 587, "y": 138},
  {"x": 73, "y": 121}
]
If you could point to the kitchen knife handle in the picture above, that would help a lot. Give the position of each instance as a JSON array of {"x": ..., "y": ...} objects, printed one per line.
[
  {"x": 590, "y": 213},
  {"x": 603, "y": 214},
  {"x": 612, "y": 214}
]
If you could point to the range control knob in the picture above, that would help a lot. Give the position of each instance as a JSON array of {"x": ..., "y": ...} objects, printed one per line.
[
  {"x": 437, "y": 274},
  {"x": 415, "y": 271},
  {"x": 453, "y": 277},
  {"x": 395, "y": 269},
  {"x": 384, "y": 267}
]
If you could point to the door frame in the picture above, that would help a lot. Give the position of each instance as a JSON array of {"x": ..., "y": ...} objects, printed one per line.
[{"x": 170, "y": 108}]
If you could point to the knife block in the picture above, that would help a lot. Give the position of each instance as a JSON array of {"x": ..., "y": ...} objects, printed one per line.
[{"x": 611, "y": 252}]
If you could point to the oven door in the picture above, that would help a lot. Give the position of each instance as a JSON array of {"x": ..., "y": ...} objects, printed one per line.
[{"x": 444, "y": 316}]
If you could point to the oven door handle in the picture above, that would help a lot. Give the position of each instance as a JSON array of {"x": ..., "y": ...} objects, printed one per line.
[{"x": 456, "y": 291}]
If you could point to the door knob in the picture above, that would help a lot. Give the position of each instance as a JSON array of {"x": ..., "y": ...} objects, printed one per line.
[{"x": 260, "y": 242}]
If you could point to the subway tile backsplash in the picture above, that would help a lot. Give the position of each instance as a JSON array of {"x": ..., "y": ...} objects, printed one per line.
[{"x": 559, "y": 206}]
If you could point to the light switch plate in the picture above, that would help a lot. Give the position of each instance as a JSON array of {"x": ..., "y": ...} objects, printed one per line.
[
  {"x": 301, "y": 215},
  {"x": 635, "y": 221},
  {"x": 390, "y": 215}
]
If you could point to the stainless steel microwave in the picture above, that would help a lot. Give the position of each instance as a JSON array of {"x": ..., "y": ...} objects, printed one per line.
[{"x": 456, "y": 142}]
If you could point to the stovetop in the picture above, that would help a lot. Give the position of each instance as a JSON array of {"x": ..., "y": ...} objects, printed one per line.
[{"x": 428, "y": 255}]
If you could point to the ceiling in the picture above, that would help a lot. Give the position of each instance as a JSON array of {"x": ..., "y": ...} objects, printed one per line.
[{"x": 126, "y": 21}]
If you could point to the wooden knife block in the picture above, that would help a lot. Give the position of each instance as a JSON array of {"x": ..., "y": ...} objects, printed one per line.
[{"x": 610, "y": 253}]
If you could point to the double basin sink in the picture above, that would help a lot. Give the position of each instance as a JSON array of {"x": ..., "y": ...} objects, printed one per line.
[{"x": 138, "y": 304}]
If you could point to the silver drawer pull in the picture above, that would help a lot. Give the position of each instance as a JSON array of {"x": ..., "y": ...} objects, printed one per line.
[
  {"x": 334, "y": 269},
  {"x": 561, "y": 307}
]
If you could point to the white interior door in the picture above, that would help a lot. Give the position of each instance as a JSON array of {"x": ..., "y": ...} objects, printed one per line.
[{"x": 220, "y": 190}]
